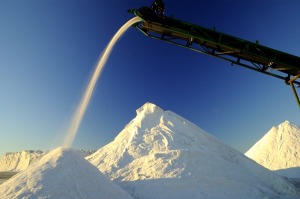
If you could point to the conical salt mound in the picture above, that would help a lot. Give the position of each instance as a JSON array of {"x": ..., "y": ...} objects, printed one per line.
[
  {"x": 279, "y": 149},
  {"x": 162, "y": 155},
  {"x": 62, "y": 173}
]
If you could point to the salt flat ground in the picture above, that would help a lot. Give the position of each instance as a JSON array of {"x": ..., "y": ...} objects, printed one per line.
[{"x": 6, "y": 175}]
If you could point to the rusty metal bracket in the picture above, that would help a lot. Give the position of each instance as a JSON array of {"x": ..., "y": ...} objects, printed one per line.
[{"x": 291, "y": 82}]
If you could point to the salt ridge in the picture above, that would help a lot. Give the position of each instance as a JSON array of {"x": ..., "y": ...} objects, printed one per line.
[{"x": 19, "y": 161}]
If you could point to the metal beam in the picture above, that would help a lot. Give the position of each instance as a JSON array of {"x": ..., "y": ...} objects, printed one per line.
[
  {"x": 291, "y": 82},
  {"x": 208, "y": 41}
]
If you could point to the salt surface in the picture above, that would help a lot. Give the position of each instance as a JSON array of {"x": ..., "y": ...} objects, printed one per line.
[
  {"x": 18, "y": 161},
  {"x": 162, "y": 155},
  {"x": 62, "y": 173},
  {"x": 279, "y": 150}
]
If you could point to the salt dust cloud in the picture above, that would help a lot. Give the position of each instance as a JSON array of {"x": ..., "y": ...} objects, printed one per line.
[{"x": 82, "y": 106}]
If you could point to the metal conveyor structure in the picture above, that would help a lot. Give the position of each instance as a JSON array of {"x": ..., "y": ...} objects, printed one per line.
[{"x": 238, "y": 51}]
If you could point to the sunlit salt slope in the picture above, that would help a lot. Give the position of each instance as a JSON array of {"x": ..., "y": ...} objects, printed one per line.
[
  {"x": 19, "y": 161},
  {"x": 162, "y": 155},
  {"x": 279, "y": 149},
  {"x": 62, "y": 173}
]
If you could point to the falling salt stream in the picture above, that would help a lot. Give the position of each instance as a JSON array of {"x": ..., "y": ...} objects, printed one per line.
[{"x": 82, "y": 106}]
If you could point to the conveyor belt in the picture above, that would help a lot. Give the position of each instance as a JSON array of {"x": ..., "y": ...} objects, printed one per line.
[{"x": 238, "y": 51}]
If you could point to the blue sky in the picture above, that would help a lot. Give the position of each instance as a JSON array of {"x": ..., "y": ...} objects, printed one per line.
[{"x": 48, "y": 50}]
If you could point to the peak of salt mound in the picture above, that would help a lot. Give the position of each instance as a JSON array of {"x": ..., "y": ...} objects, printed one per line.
[
  {"x": 148, "y": 108},
  {"x": 287, "y": 125}
]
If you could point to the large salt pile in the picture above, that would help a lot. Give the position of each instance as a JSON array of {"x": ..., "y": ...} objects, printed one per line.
[
  {"x": 162, "y": 155},
  {"x": 279, "y": 150},
  {"x": 62, "y": 173}
]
